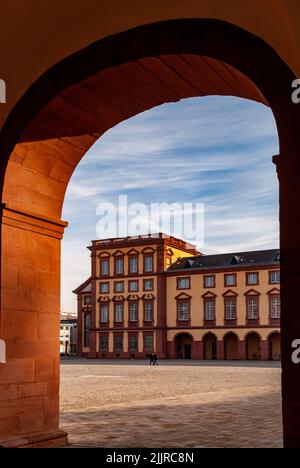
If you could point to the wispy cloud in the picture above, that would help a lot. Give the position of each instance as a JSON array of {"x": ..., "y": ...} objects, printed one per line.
[{"x": 214, "y": 150}]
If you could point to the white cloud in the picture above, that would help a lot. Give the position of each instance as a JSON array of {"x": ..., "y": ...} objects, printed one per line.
[{"x": 214, "y": 150}]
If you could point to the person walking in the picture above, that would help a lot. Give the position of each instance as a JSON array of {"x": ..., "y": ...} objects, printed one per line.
[
  {"x": 155, "y": 363},
  {"x": 151, "y": 357}
]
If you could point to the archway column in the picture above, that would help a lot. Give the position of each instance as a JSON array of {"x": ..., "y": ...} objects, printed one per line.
[
  {"x": 29, "y": 325},
  {"x": 288, "y": 169},
  {"x": 220, "y": 350},
  {"x": 264, "y": 350},
  {"x": 197, "y": 350}
]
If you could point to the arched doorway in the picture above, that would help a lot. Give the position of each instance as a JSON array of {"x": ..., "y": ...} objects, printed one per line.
[
  {"x": 231, "y": 345},
  {"x": 210, "y": 347},
  {"x": 253, "y": 347},
  {"x": 274, "y": 347},
  {"x": 184, "y": 346},
  {"x": 57, "y": 121}
]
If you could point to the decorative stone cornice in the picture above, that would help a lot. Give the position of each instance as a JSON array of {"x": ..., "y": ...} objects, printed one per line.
[{"x": 34, "y": 222}]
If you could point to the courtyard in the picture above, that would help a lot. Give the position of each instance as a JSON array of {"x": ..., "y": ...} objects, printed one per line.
[{"x": 183, "y": 404}]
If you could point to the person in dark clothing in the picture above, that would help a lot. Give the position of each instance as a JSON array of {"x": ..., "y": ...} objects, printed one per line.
[
  {"x": 155, "y": 363},
  {"x": 151, "y": 357}
]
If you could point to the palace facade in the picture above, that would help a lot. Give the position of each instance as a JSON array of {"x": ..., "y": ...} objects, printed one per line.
[{"x": 158, "y": 294}]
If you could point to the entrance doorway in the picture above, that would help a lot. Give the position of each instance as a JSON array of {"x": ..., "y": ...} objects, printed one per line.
[
  {"x": 184, "y": 344},
  {"x": 253, "y": 350},
  {"x": 210, "y": 347},
  {"x": 231, "y": 343},
  {"x": 274, "y": 347}
]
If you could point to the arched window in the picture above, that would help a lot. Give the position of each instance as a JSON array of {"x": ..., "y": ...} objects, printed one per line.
[{"x": 87, "y": 329}]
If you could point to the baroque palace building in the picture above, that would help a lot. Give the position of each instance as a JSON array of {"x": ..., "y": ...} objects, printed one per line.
[{"x": 156, "y": 293}]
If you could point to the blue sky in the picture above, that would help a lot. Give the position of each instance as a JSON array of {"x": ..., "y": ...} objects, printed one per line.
[{"x": 214, "y": 150}]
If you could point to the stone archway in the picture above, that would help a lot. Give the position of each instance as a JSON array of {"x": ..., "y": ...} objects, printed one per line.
[
  {"x": 253, "y": 347},
  {"x": 184, "y": 346},
  {"x": 48, "y": 133},
  {"x": 231, "y": 347},
  {"x": 274, "y": 347},
  {"x": 210, "y": 347}
]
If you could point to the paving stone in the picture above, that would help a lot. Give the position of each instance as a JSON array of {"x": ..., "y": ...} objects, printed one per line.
[{"x": 183, "y": 405}]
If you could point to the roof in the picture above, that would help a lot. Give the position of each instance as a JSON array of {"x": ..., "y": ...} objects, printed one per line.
[
  {"x": 84, "y": 287},
  {"x": 147, "y": 239},
  {"x": 229, "y": 260}
]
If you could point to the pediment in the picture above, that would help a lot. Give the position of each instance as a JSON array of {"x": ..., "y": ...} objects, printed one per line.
[
  {"x": 104, "y": 299},
  {"x": 118, "y": 298},
  {"x": 148, "y": 297},
  {"x": 133, "y": 252},
  {"x": 133, "y": 297},
  {"x": 104, "y": 255},
  {"x": 252, "y": 292},
  {"x": 208, "y": 295},
  {"x": 274, "y": 291},
  {"x": 148, "y": 250},
  {"x": 183, "y": 296},
  {"x": 118, "y": 253},
  {"x": 230, "y": 293}
]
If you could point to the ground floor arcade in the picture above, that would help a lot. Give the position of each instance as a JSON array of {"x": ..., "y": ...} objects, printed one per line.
[{"x": 203, "y": 344}]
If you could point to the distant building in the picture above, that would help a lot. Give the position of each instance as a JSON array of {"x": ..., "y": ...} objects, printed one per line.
[
  {"x": 158, "y": 294},
  {"x": 68, "y": 334}
]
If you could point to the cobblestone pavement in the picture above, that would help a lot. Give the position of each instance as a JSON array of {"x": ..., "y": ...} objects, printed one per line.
[{"x": 195, "y": 404}]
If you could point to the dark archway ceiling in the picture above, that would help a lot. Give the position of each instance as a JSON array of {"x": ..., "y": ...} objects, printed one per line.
[{"x": 117, "y": 93}]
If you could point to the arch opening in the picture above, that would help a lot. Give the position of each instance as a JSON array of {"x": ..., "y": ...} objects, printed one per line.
[
  {"x": 210, "y": 347},
  {"x": 253, "y": 347},
  {"x": 42, "y": 148},
  {"x": 231, "y": 347},
  {"x": 274, "y": 347},
  {"x": 184, "y": 344}
]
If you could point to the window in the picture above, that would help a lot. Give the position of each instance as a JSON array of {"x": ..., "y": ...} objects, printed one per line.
[
  {"x": 104, "y": 313},
  {"x": 148, "y": 343},
  {"x": 252, "y": 279},
  {"x": 118, "y": 343},
  {"x": 148, "y": 311},
  {"x": 230, "y": 308},
  {"x": 87, "y": 329},
  {"x": 119, "y": 287},
  {"x": 183, "y": 310},
  {"x": 133, "y": 286},
  {"x": 183, "y": 283},
  {"x": 209, "y": 281},
  {"x": 148, "y": 285},
  {"x": 275, "y": 307},
  {"x": 104, "y": 343},
  {"x": 119, "y": 308},
  {"x": 230, "y": 280},
  {"x": 133, "y": 343},
  {"x": 87, "y": 300},
  {"x": 133, "y": 311},
  {"x": 104, "y": 267},
  {"x": 252, "y": 308},
  {"x": 148, "y": 263},
  {"x": 104, "y": 288},
  {"x": 209, "y": 309},
  {"x": 274, "y": 277},
  {"x": 133, "y": 265},
  {"x": 119, "y": 266}
]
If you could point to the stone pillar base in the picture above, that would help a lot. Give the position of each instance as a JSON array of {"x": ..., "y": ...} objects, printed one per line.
[{"x": 43, "y": 440}]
